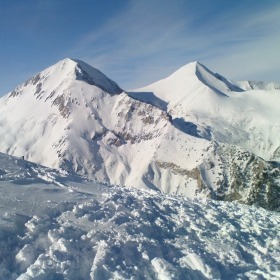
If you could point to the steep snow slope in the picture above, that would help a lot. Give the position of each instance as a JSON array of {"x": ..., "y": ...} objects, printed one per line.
[
  {"x": 240, "y": 113},
  {"x": 55, "y": 225}
]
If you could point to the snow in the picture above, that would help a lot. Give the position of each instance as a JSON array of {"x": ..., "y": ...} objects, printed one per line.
[
  {"x": 57, "y": 225},
  {"x": 172, "y": 135},
  {"x": 79, "y": 120},
  {"x": 239, "y": 113}
]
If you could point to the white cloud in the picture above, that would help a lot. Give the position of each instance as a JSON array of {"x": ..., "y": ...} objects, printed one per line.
[{"x": 149, "y": 40}]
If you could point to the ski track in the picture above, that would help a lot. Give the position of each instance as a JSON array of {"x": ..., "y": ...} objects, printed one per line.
[{"x": 66, "y": 227}]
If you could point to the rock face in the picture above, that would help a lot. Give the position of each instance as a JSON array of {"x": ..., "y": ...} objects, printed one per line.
[{"x": 194, "y": 133}]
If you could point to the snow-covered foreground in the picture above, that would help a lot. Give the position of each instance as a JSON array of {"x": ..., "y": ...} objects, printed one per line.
[{"x": 59, "y": 226}]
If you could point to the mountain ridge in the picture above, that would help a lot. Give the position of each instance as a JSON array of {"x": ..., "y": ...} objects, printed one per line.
[
  {"x": 200, "y": 99},
  {"x": 172, "y": 135}
]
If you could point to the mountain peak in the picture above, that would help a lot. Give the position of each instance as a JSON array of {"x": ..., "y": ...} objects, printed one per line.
[
  {"x": 195, "y": 73},
  {"x": 67, "y": 71},
  {"x": 90, "y": 75},
  {"x": 93, "y": 76},
  {"x": 188, "y": 78},
  {"x": 188, "y": 69}
]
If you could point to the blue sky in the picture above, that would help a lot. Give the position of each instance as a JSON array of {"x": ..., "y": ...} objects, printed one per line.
[{"x": 138, "y": 42}]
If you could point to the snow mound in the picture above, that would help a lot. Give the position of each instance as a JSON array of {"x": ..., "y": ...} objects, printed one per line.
[{"x": 72, "y": 228}]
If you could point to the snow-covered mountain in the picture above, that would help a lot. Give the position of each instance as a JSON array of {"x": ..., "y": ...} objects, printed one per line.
[
  {"x": 55, "y": 225},
  {"x": 194, "y": 133},
  {"x": 240, "y": 113}
]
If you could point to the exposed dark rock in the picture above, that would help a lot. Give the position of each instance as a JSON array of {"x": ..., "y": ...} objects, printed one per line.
[
  {"x": 194, "y": 174},
  {"x": 63, "y": 109}
]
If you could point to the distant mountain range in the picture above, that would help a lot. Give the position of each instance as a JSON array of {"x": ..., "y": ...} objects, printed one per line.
[{"x": 194, "y": 133}]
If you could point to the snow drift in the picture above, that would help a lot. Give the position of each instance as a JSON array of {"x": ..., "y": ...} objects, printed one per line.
[{"x": 55, "y": 225}]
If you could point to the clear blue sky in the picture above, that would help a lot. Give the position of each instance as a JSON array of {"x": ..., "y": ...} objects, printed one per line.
[{"x": 138, "y": 42}]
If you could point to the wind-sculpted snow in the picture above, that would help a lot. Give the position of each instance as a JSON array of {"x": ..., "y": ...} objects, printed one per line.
[{"x": 65, "y": 227}]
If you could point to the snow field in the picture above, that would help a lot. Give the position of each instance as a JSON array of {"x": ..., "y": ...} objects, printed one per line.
[{"x": 60, "y": 226}]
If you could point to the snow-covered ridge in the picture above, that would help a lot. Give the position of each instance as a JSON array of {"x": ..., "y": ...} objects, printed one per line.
[
  {"x": 238, "y": 113},
  {"x": 55, "y": 225},
  {"x": 255, "y": 85},
  {"x": 93, "y": 76},
  {"x": 69, "y": 70}
]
